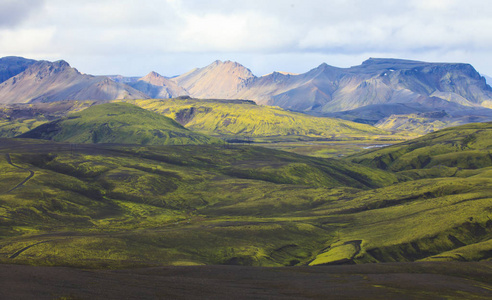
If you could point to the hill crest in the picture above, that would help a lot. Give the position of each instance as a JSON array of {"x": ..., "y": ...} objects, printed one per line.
[{"x": 120, "y": 123}]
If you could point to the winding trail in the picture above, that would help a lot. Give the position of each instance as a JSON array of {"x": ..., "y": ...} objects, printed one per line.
[
  {"x": 25, "y": 248},
  {"x": 31, "y": 173}
]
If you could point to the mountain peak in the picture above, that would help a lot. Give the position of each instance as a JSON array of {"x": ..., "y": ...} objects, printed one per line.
[
  {"x": 44, "y": 67},
  {"x": 220, "y": 80},
  {"x": 13, "y": 65},
  {"x": 158, "y": 86},
  {"x": 152, "y": 76},
  {"x": 226, "y": 64},
  {"x": 61, "y": 64},
  {"x": 45, "y": 81}
]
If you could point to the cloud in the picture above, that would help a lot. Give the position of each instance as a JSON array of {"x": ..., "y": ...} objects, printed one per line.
[
  {"x": 97, "y": 33},
  {"x": 14, "y": 12}
]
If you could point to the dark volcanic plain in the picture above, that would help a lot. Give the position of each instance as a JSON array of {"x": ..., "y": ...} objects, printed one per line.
[{"x": 369, "y": 281}]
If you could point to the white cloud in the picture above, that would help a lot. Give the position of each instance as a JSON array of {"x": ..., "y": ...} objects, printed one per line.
[
  {"x": 237, "y": 32},
  {"x": 28, "y": 42},
  {"x": 15, "y": 12},
  {"x": 97, "y": 33}
]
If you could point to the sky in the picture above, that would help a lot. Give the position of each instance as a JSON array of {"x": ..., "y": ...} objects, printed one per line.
[{"x": 134, "y": 37}]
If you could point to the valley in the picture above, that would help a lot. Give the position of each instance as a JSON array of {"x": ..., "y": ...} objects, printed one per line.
[
  {"x": 97, "y": 174},
  {"x": 129, "y": 205}
]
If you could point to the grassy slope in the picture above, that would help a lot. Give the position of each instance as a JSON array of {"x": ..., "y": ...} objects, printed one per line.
[
  {"x": 118, "y": 123},
  {"x": 466, "y": 146},
  {"x": 441, "y": 210},
  {"x": 100, "y": 205},
  {"x": 20, "y": 118},
  {"x": 234, "y": 120},
  {"x": 108, "y": 206},
  {"x": 415, "y": 124}
]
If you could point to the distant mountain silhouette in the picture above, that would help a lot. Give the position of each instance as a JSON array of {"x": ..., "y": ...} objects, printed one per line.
[
  {"x": 157, "y": 86},
  {"x": 45, "y": 81},
  {"x": 367, "y": 93},
  {"x": 219, "y": 80},
  {"x": 12, "y": 65}
]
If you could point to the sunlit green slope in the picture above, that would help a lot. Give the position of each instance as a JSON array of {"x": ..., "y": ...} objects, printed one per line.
[
  {"x": 167, "y": 204},
  {"x": 16, "y": 119},
  {"x": 465, "y": 147},
  {"x": 243, "y": 119},
  {"x": 90, "y": 205},
  {"x": 118, "y": 123}
]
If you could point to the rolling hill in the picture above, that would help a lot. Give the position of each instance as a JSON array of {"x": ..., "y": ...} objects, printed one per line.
[
  {"x": 467, "y": 146},
  {"x": 244, "y": 120},
  {"x": 16, "y": 119},
  {"x": 229, "y": 119},
  {"x": 117, "y": 123},
  {"x": 422, "y": 123},
  {"x": 100, "y": 206}
]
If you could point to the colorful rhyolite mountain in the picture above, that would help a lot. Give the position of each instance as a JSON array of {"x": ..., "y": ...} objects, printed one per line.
[
  {"x": 331, "y": 89},
  {"x": 222, "y": 80},
  {"x": 158, "y": 86}
]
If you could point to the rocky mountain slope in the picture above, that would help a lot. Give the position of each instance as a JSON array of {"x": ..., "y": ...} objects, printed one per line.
[
  {"x": 157, "y": 86},
  {"x": 331, "y": 89},
  {"x": 12, "y": 65},
  {"x": 45, "y": 81},
  {"x": 219, "y": 80}
]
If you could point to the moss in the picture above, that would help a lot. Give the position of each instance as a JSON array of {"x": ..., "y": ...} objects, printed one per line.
[{"x": 113, "y": 206}]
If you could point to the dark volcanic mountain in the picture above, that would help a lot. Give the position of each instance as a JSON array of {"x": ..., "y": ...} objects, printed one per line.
[
  {"x": 45, "y": 81},
  {"x": 12, "y": 65}
]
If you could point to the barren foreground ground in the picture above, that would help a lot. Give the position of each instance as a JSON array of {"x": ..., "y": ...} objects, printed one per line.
[{"x": 369, "y": 281}]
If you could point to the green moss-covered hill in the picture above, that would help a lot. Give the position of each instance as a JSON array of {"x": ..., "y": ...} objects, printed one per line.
[
  {"x": 90, "y": 205},
  {"x": 117, "y": 123},
  {"x": 465, "y": 147},
  {"x": 100, "y": 205},
  {"x": 235, "y": 120},
  {"x": 16, "y": 119}
]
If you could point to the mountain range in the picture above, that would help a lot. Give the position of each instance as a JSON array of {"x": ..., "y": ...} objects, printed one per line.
[{"x": 370, "y": 93}]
